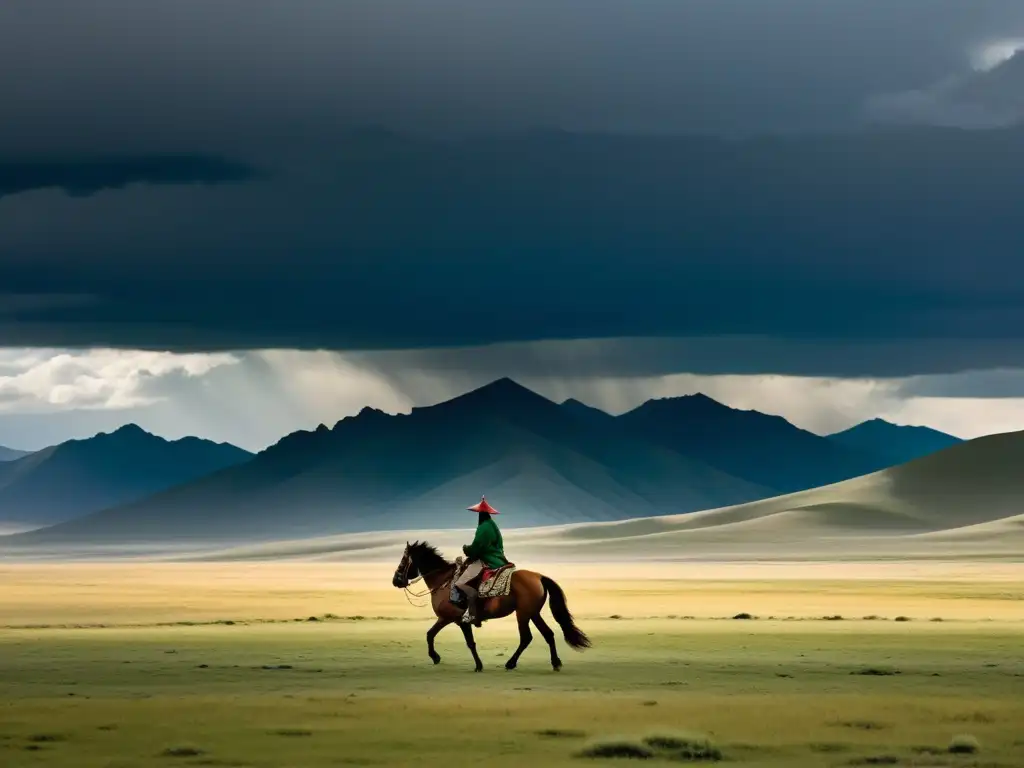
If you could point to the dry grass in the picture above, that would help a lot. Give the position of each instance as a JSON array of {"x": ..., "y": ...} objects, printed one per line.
[{"x": 137, "y": 593}]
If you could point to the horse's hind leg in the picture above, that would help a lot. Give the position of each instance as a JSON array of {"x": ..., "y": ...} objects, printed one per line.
[
  {"x": 549, "y": 638},
  {"x": 467, "y": 630},
  {"x": 431, "y": 634},
  {"x": 525, "y": 636}
]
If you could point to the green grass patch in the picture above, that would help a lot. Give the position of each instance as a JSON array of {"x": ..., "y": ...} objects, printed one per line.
[
  {"x": 964, "y": 744},
  {"x": 379, "y": 701}
]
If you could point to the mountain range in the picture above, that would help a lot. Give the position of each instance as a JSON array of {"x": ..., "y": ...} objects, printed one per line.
[
  {"x": 10, "y": 454},
  {"x": 80, "y": 477},
  {"x": 546, "y": 463}
]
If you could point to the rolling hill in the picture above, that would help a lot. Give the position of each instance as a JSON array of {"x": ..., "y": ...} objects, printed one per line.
[
  {"x": 80, "y": 477},
  {"x": 375, "y": 471},
  {"x": 969, "y": 494}
]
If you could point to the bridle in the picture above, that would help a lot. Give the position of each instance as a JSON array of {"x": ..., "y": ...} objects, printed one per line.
[{"x": 402, "y": 571}]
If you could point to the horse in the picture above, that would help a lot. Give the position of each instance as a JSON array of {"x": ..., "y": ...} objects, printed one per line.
[{"x": 527, "y": 595}]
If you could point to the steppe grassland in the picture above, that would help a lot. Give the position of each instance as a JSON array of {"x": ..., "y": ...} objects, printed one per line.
[{"x": 262, "y": 685}]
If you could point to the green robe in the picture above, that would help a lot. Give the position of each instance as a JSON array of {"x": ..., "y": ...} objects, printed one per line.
[{"x": 487, "y": 546}]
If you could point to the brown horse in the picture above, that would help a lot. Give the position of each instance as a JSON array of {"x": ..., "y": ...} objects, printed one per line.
[{"x": 527, "y": 595}]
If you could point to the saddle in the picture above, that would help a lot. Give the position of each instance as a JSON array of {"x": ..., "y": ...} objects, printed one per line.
[{"x": 492, "y": 582}]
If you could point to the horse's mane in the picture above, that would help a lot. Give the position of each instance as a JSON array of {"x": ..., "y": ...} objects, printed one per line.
[{"x": 427, "y": 558}]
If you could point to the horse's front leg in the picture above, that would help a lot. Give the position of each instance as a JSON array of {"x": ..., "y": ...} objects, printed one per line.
[
  {"x": 431, "y": 634},
  {"x": 467, "y": 630}
]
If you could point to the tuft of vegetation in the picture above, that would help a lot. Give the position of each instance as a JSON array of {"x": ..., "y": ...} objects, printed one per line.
[
  {"x": 836, "y": 617},
  {"x": 876, "y": 672},
  {"x": 902, "y": 618},
  {"x": 862, "y": 725},
  {"x": 617, "y": 748},
  {"x": 743, "y": 617},
  {"x": 292, "y": 732},
  {"x": 46, "y": 738},
  {"x": 877, "y": 760},
  {"x": 679, "y": 747},
  {"x": 559, "y": 733},
  {"x": 873, "y": 617},
  {"x": 684, "y": 747},
  {"x": 183, "y": 750},
  {"x": 964, "y": 744}
]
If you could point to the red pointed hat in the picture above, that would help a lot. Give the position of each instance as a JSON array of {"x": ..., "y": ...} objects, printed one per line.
[{"x": 483, "y": 506}]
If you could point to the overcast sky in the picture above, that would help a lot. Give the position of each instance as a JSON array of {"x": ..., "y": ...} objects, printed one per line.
[{"x": 811, "y": 207}]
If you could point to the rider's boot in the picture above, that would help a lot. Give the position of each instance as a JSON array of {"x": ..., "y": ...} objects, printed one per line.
[{"x": 471, "y": 608}]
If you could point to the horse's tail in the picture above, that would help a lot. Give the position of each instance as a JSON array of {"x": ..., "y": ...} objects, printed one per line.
[{"x": 573, "y": 635}]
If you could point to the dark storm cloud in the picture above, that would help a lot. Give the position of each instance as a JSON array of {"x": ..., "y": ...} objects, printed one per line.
[
  {"x": 86, "y": 176},
  {"x": 369, "y": 240},
  {"x": 412, "y": 243},
  {"x": 216, "y": 75},
  {"x": 989, "y": 98},
  {"x": 997, "y": 384},
  {"x": 928, "y": 361}
]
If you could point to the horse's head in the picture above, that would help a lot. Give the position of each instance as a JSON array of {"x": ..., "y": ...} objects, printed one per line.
[
  {"x": 420, "y": 560},
  {"x": 406, "y": 571}
]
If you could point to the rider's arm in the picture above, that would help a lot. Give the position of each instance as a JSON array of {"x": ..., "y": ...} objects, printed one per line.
[{"x": 480, "y": 542}]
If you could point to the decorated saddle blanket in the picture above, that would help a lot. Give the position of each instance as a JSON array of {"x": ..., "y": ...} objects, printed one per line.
[
  {"x": 493, "y": 582},
  {"x": 496, "y": 582}
]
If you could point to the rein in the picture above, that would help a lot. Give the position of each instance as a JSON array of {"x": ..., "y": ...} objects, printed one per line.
[{"x": 409, "y": 594}]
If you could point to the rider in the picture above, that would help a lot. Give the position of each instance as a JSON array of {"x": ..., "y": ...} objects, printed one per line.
[{"x": 487, "y": 550}]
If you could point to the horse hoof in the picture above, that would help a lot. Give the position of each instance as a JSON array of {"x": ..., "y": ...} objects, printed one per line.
[
  {"x": 479, "y": 669},
  {"x": 510, "y": 667},
  {"x": 436, "y": 661},
  {"x": 556, "y": 668}
]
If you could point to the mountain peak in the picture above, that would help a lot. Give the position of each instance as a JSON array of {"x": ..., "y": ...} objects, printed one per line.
[
  {"x": 504, "y": 385},
  {"x": 500, "y": 393},
  {"x": 130, "y": 429},
  {"x": 695, "y": 402},
  {"x": 878, "y": 424},
  {"x": 126, "y": 432},
  {"x": 897, "y": 443}
]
